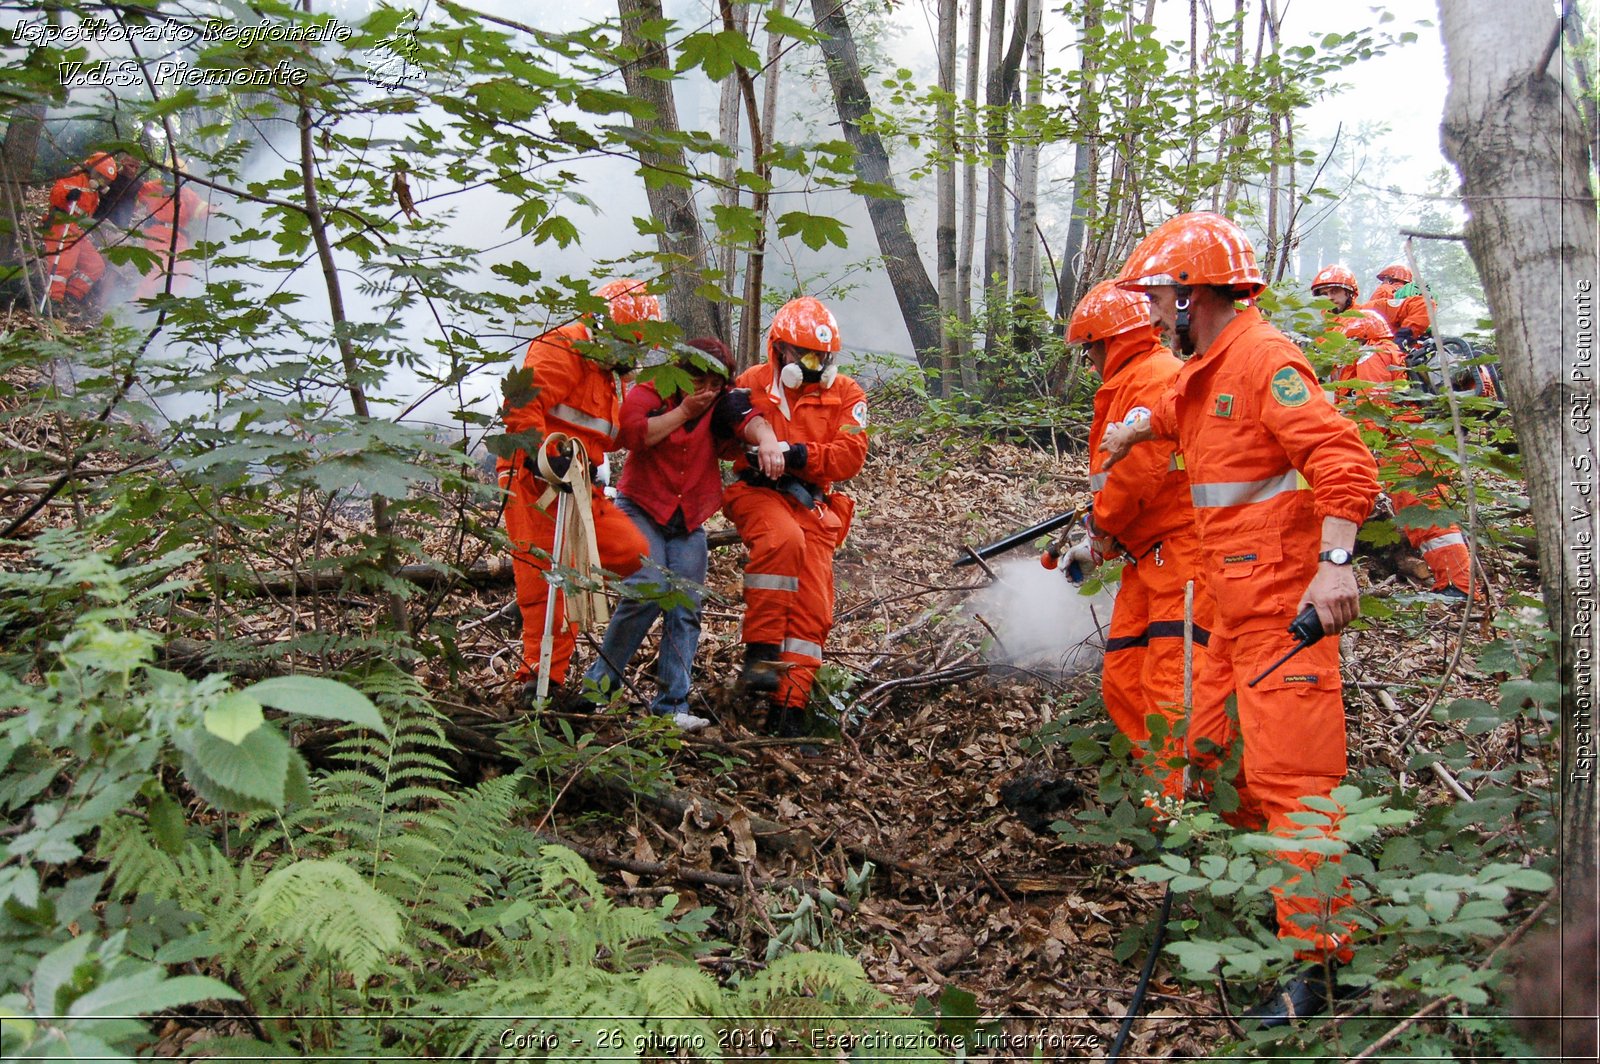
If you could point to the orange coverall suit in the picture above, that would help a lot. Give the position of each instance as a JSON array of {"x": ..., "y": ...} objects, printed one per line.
[
  {"x": 157, "y": 208},
  {"x": 579, "y": 397},
  {"x": 788, "y": 582},
  {"x": 1268, "y": 458},
  {"x": 1143, "y": 503},
  {"x": 75, "y": 263},
  {"x": 1443, "y": 547},
  {"x": 1408, "y": 313}
]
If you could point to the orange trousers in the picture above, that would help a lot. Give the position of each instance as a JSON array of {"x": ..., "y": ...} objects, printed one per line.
[
  {"x": 75, "y": 263},
  {"x": 1292, "y": 728},
  {"x": 533, "y": 532},
  {"x": 788, "y": 582},
  {"x": 1143, "y": 670},
  {"x": 1443, "y": 547}
]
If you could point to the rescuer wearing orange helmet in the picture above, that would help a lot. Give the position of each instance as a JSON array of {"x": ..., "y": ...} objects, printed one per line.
[
  {"x": 1382, "y": 364},
  {"x": 167, "y": 217},
  {"x": 74, "y": 262},
  {"x": 792, "y": 525},
  {"x": 1401, "y": 303},
  {"x": 1141, "y": 510},
  {"x": 1338, "y": 285},
  {"x": 579, "y": 396},
  {"x": 1280, "y": 482}
]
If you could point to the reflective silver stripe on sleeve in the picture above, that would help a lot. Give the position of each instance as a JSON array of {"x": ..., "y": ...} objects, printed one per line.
[
  {"x": 771, "y": 582},
  {"x": 582, "y": 420},
  {"x": 1098, "y": 481},
  {"x": 803, "y": 646},
  {"x": 1244, "y": 492},
  {"x": 1449, "y": 539}
]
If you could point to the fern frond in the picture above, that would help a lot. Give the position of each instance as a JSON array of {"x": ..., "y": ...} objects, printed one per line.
[{"x": 327, "y": 907}]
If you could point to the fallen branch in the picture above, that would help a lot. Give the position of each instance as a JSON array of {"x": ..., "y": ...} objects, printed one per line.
[{"x": 660, "y": 870}]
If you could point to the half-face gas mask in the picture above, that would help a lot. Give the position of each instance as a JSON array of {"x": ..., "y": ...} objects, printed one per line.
[{"x": 812, "y": 367}]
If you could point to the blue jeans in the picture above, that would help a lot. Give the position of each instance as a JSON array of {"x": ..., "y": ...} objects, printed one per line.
[{"x": 677, "y": 565}]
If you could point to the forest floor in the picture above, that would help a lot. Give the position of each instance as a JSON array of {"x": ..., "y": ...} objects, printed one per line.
[{"x": 939, "y": 777}]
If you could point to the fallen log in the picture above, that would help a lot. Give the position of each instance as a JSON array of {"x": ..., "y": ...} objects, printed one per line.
[{"x": 490, "y": 572}]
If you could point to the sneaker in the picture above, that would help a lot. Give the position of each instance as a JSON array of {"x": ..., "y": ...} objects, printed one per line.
[
  {"x": 688, "y": 721},
  {"x": 1307, "y": 994},
  {"x": 1453, "y": 594}
]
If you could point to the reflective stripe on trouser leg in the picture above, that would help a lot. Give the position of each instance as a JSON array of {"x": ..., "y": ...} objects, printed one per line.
[
  {"x": 622, "y": 550},
  {"x": 1294, "y": 748},
  {"x": 772, "y": 575},
  {"x": 1443, "y": 547},
  {"x": 87, "y": 269},
  {"x": 530, "y": 528},
  {"x": 812, "y": 616}
]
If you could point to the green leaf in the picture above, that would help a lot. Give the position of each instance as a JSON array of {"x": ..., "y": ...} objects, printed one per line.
[
  {"x": 234, "y": 717},
  {"x": 815, "y": 230},
  {"x": 252, "y": 771},
  {"x": 150, "y": 991},
  {"x": 316, "y": 696},
  {"x": 167, "y": 824}
]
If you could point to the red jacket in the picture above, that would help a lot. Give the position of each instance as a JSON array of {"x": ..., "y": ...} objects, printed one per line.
[
  {"x": 1268, "y": 457},
  {"x": 575, "y": 395},
  {"x": 1144, "y": 499},
  {"x": 682, "y": 471},
  {"x": 831, "y": 422}
]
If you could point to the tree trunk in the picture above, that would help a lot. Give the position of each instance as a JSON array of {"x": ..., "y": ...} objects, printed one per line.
[
  {"x": 727, "y": 255},
  {"x": 919, "y": 302},
  {"x": 17, "y": 226},
  {"x": 671, "y": 204},
  {"x": 1002, "y": 84},
  {"x": 1514, "y": 133},
  {"x": 1072, "y": 282},
  {"x": 969, "y": 199},
  {"x": 945, "y": 231},
  {"x": 1026, "y": 256}
]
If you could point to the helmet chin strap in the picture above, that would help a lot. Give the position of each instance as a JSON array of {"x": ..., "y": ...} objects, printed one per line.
[{"x": 1181, "y": 326}]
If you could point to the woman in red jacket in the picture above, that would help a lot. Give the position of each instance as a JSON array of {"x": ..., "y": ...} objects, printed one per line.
[{"x": 670, "y": 484}]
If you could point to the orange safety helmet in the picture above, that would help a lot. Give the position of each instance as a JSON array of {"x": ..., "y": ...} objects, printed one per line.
[
  {"x": 1365, "y": 326},
  {"x": 1199, "y": 248},
  {"x": 1396, "y": 272},
  {"x": 629, "y": 302},
  {"x": 103, "y": 164},
  {"x": 1107, "y": 311},
  {"x": 806, "y": 323},
  {"x": 1337, "y": 276}
]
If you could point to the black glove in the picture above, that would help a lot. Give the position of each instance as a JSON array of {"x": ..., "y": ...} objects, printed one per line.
[
  {"x": 559, "y": 465},
  {"x": 794, "y": 458},
  {"x": 1404, "y": 337}
]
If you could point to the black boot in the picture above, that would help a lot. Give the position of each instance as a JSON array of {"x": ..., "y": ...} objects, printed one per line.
[
  {"x": 786, "y": 722},
  {"x": 760, "y": 673},
  {"x": 1307, "y": 994}
]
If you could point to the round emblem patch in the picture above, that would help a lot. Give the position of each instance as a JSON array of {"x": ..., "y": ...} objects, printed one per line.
[
  {"x": 1135, "y": 414},
  {"x": 824, "y": 334},
  {"x": 858, "y": 413},
  {"x": 1289, "y": 388}
]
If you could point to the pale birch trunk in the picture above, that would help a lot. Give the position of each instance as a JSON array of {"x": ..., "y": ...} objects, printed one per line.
[
  {"x": 945, "y": 233},
  {"x": 1513, "y": 131}
]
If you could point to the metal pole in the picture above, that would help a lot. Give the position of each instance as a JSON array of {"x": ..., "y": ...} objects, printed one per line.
[{"x": 547, "y": 641}]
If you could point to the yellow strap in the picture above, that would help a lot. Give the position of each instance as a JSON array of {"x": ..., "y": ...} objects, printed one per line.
[{"x": 580, "y": 547}]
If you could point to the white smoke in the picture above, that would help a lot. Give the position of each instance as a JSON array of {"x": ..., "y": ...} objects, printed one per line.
[{"x": 1040, "y": 619}]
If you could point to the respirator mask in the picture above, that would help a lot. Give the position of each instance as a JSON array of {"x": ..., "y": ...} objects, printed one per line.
[{"x": 814, "y": 367}]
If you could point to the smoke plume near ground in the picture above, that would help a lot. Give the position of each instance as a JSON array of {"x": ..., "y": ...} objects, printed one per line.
[{"x": 1040, "y": 618}]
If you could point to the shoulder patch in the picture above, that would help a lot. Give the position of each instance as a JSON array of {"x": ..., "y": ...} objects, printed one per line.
[
  {"x": 858, "y": 413},
  {"x": 1289, "y": 388},
  {"x": 1135, "y": 414}
]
